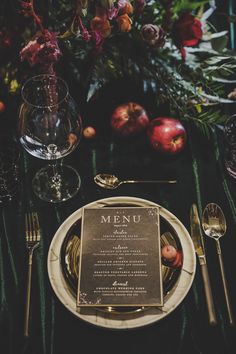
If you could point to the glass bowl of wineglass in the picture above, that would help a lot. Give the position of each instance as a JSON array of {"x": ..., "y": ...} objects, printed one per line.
[{"x": 50, "y": 128}]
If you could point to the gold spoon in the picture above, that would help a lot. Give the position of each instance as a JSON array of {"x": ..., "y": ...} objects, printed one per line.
[
  {"x": 214, "y": 225},
  {"x": 112, "y": 182}
]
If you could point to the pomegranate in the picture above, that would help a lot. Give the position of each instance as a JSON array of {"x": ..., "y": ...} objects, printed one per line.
[{"x": 129, "y": 119}]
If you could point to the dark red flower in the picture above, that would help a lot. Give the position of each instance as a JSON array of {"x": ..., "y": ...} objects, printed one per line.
[
  {"x": 186, "y": 32},
  {"x": 42, "y": 49}
]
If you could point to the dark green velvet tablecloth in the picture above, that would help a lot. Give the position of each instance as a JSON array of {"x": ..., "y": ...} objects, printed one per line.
[{"x": 201, "y": 177}]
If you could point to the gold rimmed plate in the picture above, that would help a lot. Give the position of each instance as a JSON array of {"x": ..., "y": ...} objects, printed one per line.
[
  {"x": 70, "y": 253},
  {"x": 63, "y": 263}
]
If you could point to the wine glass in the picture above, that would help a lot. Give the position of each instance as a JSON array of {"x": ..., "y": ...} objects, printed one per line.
[{"x": 50, "y": 128}]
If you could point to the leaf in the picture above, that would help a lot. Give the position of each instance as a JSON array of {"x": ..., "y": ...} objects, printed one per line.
[
  {"x": 185, "y": 5},
  {"x": 93, "y": 89},
  {"x": 216, "y": 99},
  {"x": 224, "y": 81},
  {"x": 219, "y": 34},
  {"x": 66, "y": 34},
  {"x": 217, "y": 59},
  {"x": 220, "y": 43}
]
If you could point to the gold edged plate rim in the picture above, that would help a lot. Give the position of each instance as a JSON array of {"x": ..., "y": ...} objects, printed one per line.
[{"x": 142, "y": 318}]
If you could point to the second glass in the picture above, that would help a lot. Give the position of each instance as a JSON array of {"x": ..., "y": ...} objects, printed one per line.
[{"x": 50, "y": 128}]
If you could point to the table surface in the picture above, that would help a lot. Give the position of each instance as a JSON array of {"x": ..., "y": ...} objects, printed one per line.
[{"x": 201, "y": 177}]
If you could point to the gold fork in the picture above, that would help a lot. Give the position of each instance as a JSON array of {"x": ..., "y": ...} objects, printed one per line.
[{"x": 32, "y": 232}]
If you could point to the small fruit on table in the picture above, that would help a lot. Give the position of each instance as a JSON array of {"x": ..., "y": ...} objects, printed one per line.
[
  {"x": 89, "y": 132},
  {"x": 171, "y": 256},
  {"x": 169, "y": 253}
]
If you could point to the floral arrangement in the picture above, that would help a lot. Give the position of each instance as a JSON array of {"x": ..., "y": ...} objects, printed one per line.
[{"x": 169, "y": 46}]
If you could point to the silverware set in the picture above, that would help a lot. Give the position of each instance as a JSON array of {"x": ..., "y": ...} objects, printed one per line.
[{"x": 214, "y": 225}]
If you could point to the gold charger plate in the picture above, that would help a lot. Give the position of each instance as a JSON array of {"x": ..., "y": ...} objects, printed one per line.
[{"x": 63, "y": 274}]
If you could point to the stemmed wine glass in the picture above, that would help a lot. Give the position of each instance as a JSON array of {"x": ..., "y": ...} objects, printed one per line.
[{"x": 50, "y": 128}]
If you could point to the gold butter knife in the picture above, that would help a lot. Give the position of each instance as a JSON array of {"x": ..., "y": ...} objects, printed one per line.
[{"x": 196, "y": 234}]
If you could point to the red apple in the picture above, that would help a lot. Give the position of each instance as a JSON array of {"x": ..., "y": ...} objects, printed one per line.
[
  {"x": 167, "y": 135},
  {"x": 129, "y": 119}
]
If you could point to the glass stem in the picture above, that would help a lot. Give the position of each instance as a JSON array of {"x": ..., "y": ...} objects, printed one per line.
[{"x": 56, "y": 180}]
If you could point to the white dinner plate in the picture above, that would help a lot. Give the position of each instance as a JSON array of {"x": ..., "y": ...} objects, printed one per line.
[{"x": 123, "y": 321}]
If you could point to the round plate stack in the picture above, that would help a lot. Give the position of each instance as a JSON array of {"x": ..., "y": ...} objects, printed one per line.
[{"x": 63, "y": 268}]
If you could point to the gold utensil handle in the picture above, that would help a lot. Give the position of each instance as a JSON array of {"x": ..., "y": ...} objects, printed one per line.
[
  {"x": 28, "y": 292},
  {"x": 208, "y": 293},
  {"x": 151, "y": 181},
  {"x": 225, "y": 286}
]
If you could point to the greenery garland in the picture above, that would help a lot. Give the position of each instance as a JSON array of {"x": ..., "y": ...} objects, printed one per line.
[{"x": 170, "y": 46}]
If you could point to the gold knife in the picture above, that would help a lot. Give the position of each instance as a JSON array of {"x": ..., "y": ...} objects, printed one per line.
[{"x": 196, "y": 234}]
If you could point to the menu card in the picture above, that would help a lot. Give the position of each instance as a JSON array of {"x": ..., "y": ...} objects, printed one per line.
[{"x": 120, "y": 260}]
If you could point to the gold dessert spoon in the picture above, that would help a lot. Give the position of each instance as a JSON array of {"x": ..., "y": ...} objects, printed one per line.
[
  {"x": 112, "y": 182},
  {"x": 214, "y": 225}
]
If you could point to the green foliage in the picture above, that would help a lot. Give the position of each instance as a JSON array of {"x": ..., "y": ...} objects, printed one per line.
[
  {"x": 193, "y": 95},
  {"x": 188, "y": 5},
  {"x": 194, "y": 90}
]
